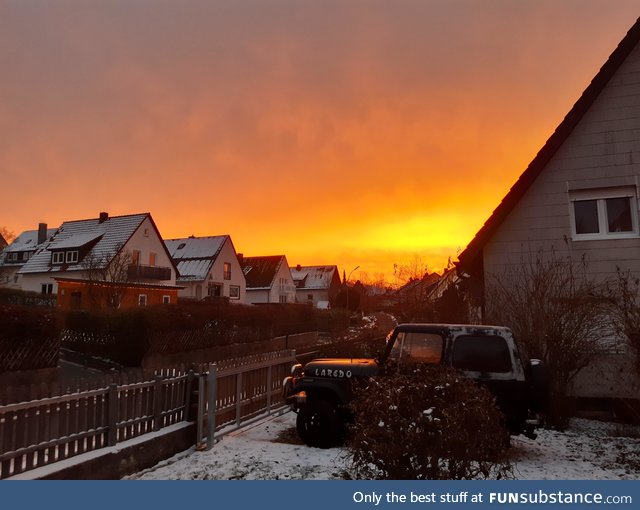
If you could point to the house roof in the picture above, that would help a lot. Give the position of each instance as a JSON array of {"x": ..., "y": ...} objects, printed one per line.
[
  {"x": 260, "y": 272},
  {"x": 111, "y": 235},
  {"x": 3, "y": 242},
  {"x": 552, "y": 145},
  {"x": 27, "y": 241},
  {"x": 314, "y": 277},
  {"x": 194, "y": 256}
]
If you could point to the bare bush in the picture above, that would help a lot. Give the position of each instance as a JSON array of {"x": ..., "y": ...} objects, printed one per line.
[
  {"x": 558, "y": 312},
  {"x": 624, "y": 292},
  {"x": 427, "y": 423}
]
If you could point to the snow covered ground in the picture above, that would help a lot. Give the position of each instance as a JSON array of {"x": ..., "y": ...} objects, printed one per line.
[{"x": 270, "y": 450}]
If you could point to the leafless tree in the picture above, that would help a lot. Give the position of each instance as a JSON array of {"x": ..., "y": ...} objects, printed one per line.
[
  {"x": 110, "y": 267},
  {"x": 5, "y": 273},
  {"x": 558, "y": 312},
  {"x": 7, "y": 235}
]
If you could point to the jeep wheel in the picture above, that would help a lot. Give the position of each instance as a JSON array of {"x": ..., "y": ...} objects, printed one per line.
[{"x": 318, "y": 424}]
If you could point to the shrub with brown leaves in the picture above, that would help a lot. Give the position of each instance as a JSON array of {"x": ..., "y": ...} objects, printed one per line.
[{"x": 430, "y": 423}]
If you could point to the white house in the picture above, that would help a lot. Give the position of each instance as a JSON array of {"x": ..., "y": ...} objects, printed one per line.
[
  {"x": 208, "y": 267},
  {"x": 14, "y": 256},
  {"x": 79, "y": 248},
  {"x": 579, "y": 197},
  {"x": 316, "y": 285},
  {"x": 268, "y": 279}
]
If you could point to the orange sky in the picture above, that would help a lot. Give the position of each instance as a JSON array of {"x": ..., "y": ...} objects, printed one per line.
[{"x": 356, "y": 132}]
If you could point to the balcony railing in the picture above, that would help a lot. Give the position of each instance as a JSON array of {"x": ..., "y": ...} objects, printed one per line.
[{"x": 138, "y": 272}]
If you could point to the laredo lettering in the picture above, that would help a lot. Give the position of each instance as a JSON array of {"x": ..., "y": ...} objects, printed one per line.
[{"x": 328, "y": 372}]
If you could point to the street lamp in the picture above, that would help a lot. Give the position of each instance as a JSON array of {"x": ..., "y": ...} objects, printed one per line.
[{"x": 347, "y": 290}]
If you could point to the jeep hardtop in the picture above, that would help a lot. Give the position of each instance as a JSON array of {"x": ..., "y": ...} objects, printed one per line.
[{"x": 321, "y": 391}]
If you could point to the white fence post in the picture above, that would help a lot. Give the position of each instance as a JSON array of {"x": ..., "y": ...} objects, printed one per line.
[
  {"x": 201, "y": 413},
  {"x": 211, "y": 405}
]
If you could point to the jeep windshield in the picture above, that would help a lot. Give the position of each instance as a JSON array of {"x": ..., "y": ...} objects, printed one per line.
[{"x": 416, "y": 346}]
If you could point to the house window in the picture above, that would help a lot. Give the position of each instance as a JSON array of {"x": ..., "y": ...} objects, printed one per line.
[
  {"x": 152, "y": 259},
  {"x": 57, "y": 257},
  {"x": 214, "y": 290},
  {"x": 142, "y": 300},
  {"x": 12, "y": 257},
  {"x": 46, "y": 288},
  {"x": 166, "y": 300},
  {"x": 72, "y": 256},
  {"x": 283, "y": 299},
  {"x": 309, "y": 297},
  {"x": 146, "y": 232},
  {"x": 227, "y": 271},
  {"x": 604, "y": 214},
  {"x": 234, "y": 292},
  {"x": 135, "y": 257}
]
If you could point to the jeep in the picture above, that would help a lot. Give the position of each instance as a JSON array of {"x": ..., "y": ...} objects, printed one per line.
[{"x": 321, "y": 391}]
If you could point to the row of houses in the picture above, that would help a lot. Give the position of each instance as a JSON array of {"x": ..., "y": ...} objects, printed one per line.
[{"x": 124, "y": 261}]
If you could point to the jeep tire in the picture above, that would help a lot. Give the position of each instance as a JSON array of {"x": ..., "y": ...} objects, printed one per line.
[{"x": 319, "y": 424}]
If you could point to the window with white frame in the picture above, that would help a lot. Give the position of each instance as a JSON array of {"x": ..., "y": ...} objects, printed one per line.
[
  {"x": 604, "y": 214},
  {"x": 57, "y": 257},
  {"x": 72, "y": 256},
  {"x": 142, "y": 300},
  {"x": 227, "y": 271},
  {"x": 166, "y": 300},
  {"x": 234, "y": 292}
]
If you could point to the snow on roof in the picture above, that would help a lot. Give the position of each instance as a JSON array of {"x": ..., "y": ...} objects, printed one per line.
[
  {"x": 74, "y": 241},
  {"x": 194, "y": 256},
  {"x": 193, "y": 269},
  {"x": 114, "y": 231},
  {"x": 317, "y": 277},
  {"x": 27, "y": 241},
  {"x": 195, "y": 247}
]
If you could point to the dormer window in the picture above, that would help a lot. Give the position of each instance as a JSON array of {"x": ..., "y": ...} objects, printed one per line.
[{"x": 65, "y": 257}]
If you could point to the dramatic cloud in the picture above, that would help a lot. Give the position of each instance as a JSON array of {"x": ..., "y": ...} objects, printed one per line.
[{"x": 353, "y": 132}]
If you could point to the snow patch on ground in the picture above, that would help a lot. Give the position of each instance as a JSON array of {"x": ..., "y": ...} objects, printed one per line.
[{"x": 270, "y": 450}]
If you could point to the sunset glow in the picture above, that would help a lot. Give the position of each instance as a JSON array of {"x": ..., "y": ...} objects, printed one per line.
[{"x": 356, "y": 133}]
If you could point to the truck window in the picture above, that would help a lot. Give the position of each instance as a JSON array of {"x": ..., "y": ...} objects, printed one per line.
[
  {"x": 477, "y": 353},
  {"x": 418, "y": 347}
]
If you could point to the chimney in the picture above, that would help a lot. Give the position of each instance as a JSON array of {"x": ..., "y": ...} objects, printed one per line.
[
  {"x": 240, "y": 258},
  {"x": 104, "y": 216},
  {"x": 298, "y": 267},
  {"x": 42, "y": 232}
]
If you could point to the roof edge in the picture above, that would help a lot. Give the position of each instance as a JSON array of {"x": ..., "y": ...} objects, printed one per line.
[{"x": 551, "y": 146}]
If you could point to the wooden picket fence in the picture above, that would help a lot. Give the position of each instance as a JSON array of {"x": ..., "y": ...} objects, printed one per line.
[
  {"x": 44, "y": 431},
  {"x": 234, "y": 392}
]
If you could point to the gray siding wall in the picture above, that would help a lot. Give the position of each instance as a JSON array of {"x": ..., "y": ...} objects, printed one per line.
[{"x": 603, "y": 151}]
